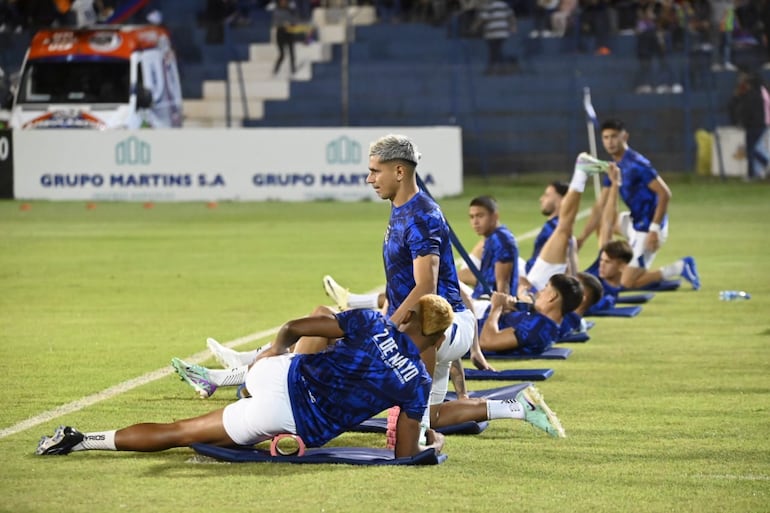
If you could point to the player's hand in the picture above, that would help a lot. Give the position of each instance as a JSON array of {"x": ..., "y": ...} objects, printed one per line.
[
  {"x": 498, "y": 300},
  {"x": 614, "y": 173}
]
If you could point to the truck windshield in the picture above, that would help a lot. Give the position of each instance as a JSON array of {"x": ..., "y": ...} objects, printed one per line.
[{"x": 75, "y": 82}]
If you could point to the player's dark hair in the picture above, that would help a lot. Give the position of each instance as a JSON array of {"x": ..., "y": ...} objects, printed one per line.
[
  {"x": 613, "y": 124},
  {"x": 592, "y": 287},
  {"x": 619, "y": 250},
  {"x": 560, "y": 187},
  {"x": 487, "y": 202},
  {"x": 569, "y": 289}
]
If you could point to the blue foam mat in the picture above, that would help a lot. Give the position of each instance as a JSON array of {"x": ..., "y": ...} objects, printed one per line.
[
  {"x": 554, "y": 353},
  {"x": 618, "y": 311},
  {"x": 345, "y": 455},
  {"x": 503, "y": 392},
  {"x": 634, "y": 299},
  {"x": 509, "y": 374},
  {"x": 574, "y": 337},
  {"x": 662, "y": 286},
  {"x": 380, "y": 425}
]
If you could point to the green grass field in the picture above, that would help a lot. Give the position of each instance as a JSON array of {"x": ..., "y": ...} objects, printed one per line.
[{"x": 668, "y": 411}]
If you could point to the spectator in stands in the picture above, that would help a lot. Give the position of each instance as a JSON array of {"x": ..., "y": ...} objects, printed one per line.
[
  {"x": 722, "y": 25},
  {"x": 563, "y": 17},
  {"x": 651, "y": 44},
  {"x": 764, "y": 17},
  {"x": 542, "y": 15},
  {"x": 749, "y": 109},
  {"x": 283, "y": 21},
  {"x": 498, "y": 22},
  {"x": 699, "y": 30},
  {"x": 595, "y": 21}
]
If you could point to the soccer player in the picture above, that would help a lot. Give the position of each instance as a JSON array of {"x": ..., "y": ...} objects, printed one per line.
[
  {"x": 372, "y": 365},
  {"x": 535, "y": 327},
  {"x": 496, "y": 255},
  {"x": 418, "y": 259},
  {"x": 550, "y": 203},
  {"x": 553, "y": 256},
  {"x": 645, "y": 224}
]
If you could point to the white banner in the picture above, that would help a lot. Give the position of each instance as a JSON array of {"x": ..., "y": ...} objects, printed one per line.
[{"x": 220, "y": 164}]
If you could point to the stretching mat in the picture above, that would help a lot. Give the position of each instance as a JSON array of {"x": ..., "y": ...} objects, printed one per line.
[
  {"x": 554, "y": 353},
  {"x": 346, "y": 455},
  {"x": 380, "y": 424},
  {"x": 634, "y": 299},
  {"x": 509, "y": 374},
  {"x": 618, "y": 311},
  {"x": 661, "y": 286},
  {"x": 574, "y": 337}
]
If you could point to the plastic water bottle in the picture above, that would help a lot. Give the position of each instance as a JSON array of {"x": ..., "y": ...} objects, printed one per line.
[{"x": 734, "y": 295}]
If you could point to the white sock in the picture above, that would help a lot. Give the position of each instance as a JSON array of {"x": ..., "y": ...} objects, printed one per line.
[
  {"x": 506, "y": 409},
  {"x": 369, "y": 301},
  {"x": 97, "y": 441},
  {"x": 248, "y": 357},
  {"x": 228, "y": 377},
  {"x": 579, "y": 179},
  {"x": 671, "y": 271}
]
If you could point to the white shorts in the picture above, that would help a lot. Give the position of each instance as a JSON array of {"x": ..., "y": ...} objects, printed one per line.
[
  {"x": 637, "y": 241},
  {"x": 542, "y": 271},
  {"x": 459, "y": 339},
  {"x": 268, "y": 411}
]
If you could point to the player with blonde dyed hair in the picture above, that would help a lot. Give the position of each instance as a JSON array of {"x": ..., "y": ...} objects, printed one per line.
[{"x": 369, "y": 366}]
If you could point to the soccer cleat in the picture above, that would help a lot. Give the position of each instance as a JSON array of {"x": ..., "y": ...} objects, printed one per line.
[
  {"x": 590, "y": 165},
  {"x": 61, "y": 443},
  {"x": 227, "y": 357},
  {"x": 338, "y": 294},
  {"x": 196, "y": 376},
  {"x": 690, "y": 272},
  {"x": 537, "y": 413}
]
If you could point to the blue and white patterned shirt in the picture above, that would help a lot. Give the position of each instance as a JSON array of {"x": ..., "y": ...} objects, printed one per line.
[
  {"x": 418, "y": 228},
  {"x": 373, "y": 367}
]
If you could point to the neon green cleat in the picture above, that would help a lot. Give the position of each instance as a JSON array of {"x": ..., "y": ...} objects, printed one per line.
[
  {"x": 196, "y": 376},
  {"x": 537, "y": 413},
  {"x": 590, "y": 165}
]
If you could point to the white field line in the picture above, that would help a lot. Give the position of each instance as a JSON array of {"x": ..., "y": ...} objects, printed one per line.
[{"x": 130, "y": 384}]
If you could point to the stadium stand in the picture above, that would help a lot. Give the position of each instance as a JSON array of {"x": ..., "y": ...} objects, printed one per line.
[{"x": 417, "y": 74}]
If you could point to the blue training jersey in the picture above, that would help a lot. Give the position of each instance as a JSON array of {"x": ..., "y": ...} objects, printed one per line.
[
  {"x": 500, "y": 246},
  {"x": 635, "y": 173},
  {"x": 534, "y": 331},
  {"x": 373, "y": 367},
  {"x": 610, "y": 291},
  {"x": 545, "y": 233},
  {"x": 418, "y": 228},
  {"x": 571, "y": 323}
]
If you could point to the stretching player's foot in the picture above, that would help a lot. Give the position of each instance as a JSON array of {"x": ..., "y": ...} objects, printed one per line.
[
  {"x": 227, "y": 357},
  {"x": 61, "y": 443},
  {"x": 338, "y": 294},
  {"x": 196, "y": 376},
  {"x": 690, "y": 272},
  {"x": 590, "y": 165},
  {"x": 537, "y": 413}
]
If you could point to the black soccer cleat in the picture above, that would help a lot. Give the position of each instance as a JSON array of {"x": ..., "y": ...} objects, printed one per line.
[{"x": 61, "y": 443}]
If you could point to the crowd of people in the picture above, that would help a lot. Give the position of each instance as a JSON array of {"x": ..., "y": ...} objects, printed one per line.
[{"x": 326, "y": 373}]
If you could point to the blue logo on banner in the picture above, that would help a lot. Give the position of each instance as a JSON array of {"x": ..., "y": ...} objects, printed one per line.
[
  {"x": 343, "y": 150},
  {"x": 132, "y": 152}
]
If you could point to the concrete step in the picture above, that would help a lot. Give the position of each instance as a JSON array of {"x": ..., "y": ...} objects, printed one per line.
[
  {"x": 215, "y": 109},
  {"x": 274, "y": 89}
]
